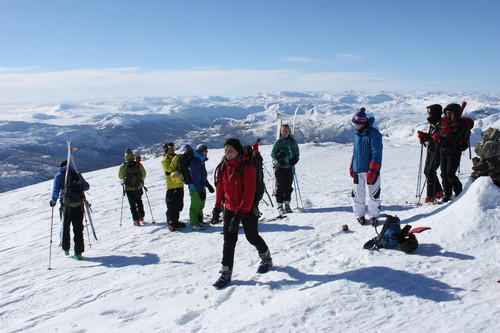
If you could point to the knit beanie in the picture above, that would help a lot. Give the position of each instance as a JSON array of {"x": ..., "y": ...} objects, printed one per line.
[
  {"x": 235, "y": 143},
  {"x": 359, "y": 118}
]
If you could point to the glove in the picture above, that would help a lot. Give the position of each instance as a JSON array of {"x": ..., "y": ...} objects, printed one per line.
[
  {"x": 215, "y": 216},
  {"x": 351, "y": 171},
  {"x": 293, "y": 161},
  {"x": 209, "y": 187},
  {"x": 436, "y": 137},
  {"x": 203, "y": 195},
  {"x": 423, "y": 137},
  {"x": 52, "y": 203},
  {"x": 234, "y": 224},
  {"x": 280, "y": 155},
  {"x": 371, "y": 175}
]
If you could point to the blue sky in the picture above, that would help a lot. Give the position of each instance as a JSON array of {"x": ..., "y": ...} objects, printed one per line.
[{"x": 55, "y": 50}]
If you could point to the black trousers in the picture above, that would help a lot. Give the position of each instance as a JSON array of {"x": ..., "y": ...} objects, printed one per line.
[
  {"x": 250, "y": 226},
  {"x": 175, "y": 203},
  {"x": 432, "y": 162},
  {"x": 73, "y": 216},
  {"x": 284, "y": 181},
  {"x": 136, "y": 205},
  {"x": 449, "y": 166}
]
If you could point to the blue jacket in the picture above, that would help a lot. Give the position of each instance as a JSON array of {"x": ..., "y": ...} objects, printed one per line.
[
  {"x": 57, "y": 188},
  {"x": 367, "y": 147},
  {"x": 198, "y": 172}
]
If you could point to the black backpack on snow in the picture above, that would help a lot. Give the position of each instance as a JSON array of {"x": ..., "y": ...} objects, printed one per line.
[
  {"x": 73, "y": 190},
  {"x": 185, "y": 161},
  {"x": 255, "y": 158}
]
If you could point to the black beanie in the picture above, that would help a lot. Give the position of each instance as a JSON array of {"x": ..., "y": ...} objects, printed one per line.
[
  {"x": 235, "y": 143},
  {"x": 455, "y": 108},
  {"x": 436, "y": 110}
]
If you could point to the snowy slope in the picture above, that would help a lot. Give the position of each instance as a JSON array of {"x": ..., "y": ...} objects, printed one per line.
[{"x": 147, "y": 279}]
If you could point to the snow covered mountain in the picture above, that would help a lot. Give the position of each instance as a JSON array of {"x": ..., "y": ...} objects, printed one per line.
[
  {"x": 33, "y": 137},
  {"x": 148, "y": 279}
]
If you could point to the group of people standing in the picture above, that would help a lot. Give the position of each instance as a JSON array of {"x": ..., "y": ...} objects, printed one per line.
[
  {"x": 445, "y": 142},
  {"x": 236, "y": 183}
]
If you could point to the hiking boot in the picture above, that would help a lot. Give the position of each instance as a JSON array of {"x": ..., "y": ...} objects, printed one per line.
[
  {"x": 141, "y": 219},
  {"x": 171, "y": 226},
  {"x": 427, "y": 200},
  {"x": 446, "y": 198},
  {"x": 137, "y": 223},
  {"x": 224, "y": 279},
  {"x": 287, "y": 207},
  {"x": 281, "y": 210},
  {"x": 374, "y": 221},
  {"x": 361, "y": 220},
  {"x": 198, "y": 227},
  {"x": 66, "y": 252},
  {"x": 266, "y": 262},
  {"x": 438, "y": 195},
  {"x": 77, "y": 256},
  {"x": 178, "y": 224}
]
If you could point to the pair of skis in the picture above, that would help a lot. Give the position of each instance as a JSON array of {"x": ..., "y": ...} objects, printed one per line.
[{"x": 86, "y": 204}]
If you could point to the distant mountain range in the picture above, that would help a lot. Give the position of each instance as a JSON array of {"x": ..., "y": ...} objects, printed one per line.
[{"x": 33, "y": 137}]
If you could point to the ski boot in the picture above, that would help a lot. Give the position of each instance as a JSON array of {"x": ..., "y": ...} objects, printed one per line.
[
  {"x": 224, "y": 279},
  {"x": 281, "y": 210},
  {"x": 266, "y": 262},
  {"x": 361, "y": 220},
  {"x": 287, "y": 207},
  {"x": 374, "y": 221}
]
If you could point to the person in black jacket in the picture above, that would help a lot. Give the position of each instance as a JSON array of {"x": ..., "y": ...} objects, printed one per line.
[
  {"x": 433, "y": 157},
  {"x": 450, "y": 135}
]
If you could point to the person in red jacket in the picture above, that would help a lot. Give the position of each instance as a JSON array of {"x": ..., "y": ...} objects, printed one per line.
[{"x": 235, "y": 189}]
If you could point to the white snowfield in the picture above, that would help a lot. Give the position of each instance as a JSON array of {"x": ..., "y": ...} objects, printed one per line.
[{"x": 148, "y": 279}]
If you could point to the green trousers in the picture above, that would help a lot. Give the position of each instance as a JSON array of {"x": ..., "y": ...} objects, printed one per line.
[{"x": 196, "y": 209}]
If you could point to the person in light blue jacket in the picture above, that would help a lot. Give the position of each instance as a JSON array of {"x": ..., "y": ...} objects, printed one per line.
[{"x": 365, "y": 168}]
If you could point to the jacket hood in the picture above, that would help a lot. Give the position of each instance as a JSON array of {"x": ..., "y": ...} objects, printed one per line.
[
  {"x": 199, "y": 156},
  {"x": 129, "y": 157}
]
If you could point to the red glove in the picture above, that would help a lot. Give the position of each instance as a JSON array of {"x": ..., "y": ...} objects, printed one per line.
[
  {"x": 371, "y": 175},
  {"x": 351, "y": 172},
  {"x": 436, "y": 137},
  {"x": 423, "y": 137}
]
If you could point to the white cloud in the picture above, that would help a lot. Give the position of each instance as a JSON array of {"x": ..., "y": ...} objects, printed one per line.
[
  {"x": 132, "y": 82},
  {"x": 351, "y": 58},
  {"x": 299, "y": 59}
]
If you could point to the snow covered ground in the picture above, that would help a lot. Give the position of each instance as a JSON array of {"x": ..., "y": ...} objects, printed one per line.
[{"x": 148, "y": 279}]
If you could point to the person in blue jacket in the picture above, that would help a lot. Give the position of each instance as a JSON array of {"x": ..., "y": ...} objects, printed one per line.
[
  {"x": 197, "y": 190},
  {"x": 365, "y": 168},
  {"x": 72, "y": 209}
]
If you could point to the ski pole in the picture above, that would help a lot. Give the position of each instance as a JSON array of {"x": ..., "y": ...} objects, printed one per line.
[
  {"x": 51, "y": 227},
  {"x": 149, "y": 204},
  {"x": 123, "y": 196},
  {"x": 296, "y": 181},
  {"x": 419, "y": 176}
]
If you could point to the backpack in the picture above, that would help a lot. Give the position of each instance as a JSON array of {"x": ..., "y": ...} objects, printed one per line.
[
  {"x": 73, "y": 190},
  {"x": 464, "y": 141},
  {"x": 392, "y": 236},
  {"x": 132, "y": 178},
  {"x": 255, "y": 158},
  {"x": 185, "y": 161}
]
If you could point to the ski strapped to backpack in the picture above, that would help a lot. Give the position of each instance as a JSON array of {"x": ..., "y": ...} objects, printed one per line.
[
  {"x": 391, "y": 235},
  {"x": 255, "y": 158}
]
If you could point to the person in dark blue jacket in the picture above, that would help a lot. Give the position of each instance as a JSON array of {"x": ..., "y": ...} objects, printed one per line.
[
  {"x": 197, "y": 190},
  {"x": 365, "y": 168},
  {"x": 72, "y": 209}
]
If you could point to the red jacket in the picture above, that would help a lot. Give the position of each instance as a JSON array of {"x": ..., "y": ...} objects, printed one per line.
[{"x": 236, "y": 189}]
